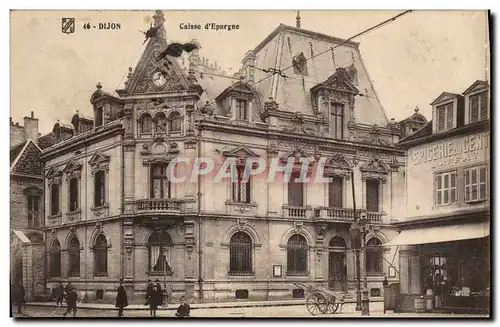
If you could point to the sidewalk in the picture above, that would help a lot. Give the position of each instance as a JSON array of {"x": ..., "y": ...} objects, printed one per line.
[{"x": 173, "y": 306}]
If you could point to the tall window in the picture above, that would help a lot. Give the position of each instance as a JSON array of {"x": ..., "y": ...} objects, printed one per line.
[
  {"x": 296, "y": 254},
  {"x": 478, "y": 107},
  {"x": 444, "y": 117},
  {"x": 446, "y": 188},
  {"x": 374, "y": 256},
  {"x": 55, "y": 259},
  {"x": 74, "y": 257},
  {"x": 160, "y": 123},
  {"x": 159, "y": 248},
  {"x": 160, "y": 185},
  {"x": 337, "y": 113},
  {"x": 475, "y": 184},
  {"x": 98, "y": 116},
  {"x": 99, "y": 189},
  {"x": 146, "y": 124},
  {"x": 54, "y": 199},
  {"x": 100, "y": 256},
  {"x": 241, "y": 188},
  {"x": 242, "y": 109},
  {"x": 335, "y": 192},
  {"x": 73, "y": 194},
  {"x": 295, "y": 191},
  {"x": 175, "y": 122},
  {"x": 33, "y": 211},
  {"x": 372, "y": 195},
  {"x": 240, "y": 254}
]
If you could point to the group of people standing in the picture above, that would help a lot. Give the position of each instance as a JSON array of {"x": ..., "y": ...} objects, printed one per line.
[{"x": 68, "y": 294}]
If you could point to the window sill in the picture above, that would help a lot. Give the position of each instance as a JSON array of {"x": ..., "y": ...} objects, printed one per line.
[
  {"x": 160, "y": 273},
  {"x": 375, "y": 274},
  {"x": 100, "y": 275},
  {"x": 296, "y": 273},
  {"x": 475, "y": 201},
  {"x": 240, "y": 273},
  {"x": 244, "y": 204}
]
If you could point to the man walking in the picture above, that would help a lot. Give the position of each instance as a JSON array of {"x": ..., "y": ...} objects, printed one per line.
[
  {"x": 59, "y": 294},
  {"x": 121, "y": 298},
  {"x": 71, "y": 299},
  {"x": 158, "y": 285},
  {"x": 154, "y": 301},
  {"x": 149, "y": 291}
]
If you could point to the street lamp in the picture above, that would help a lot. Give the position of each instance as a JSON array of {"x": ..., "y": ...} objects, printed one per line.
[
  {"x": 358, "y": 239},
  {"x": 164, "y": 277}
]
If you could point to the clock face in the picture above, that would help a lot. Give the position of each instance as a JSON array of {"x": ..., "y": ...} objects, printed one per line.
[{"x": 159, "y": 79}]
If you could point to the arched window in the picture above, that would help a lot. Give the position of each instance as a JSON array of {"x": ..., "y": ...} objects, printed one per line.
[
  {"x": 160, "y": 123},
  {"x": 146, "y": 124},
  {"x": 100, "y": 256},
  {"x": 159, "y": 251},
  {"x": 374, "y": 256},
  {"x": 296, "y": 253},
  {"x": 240, "y": 254},
  {"x": 74, "y": 257},
  {"x": 338, "y": 243},
  {"x": 55, "y": 259},
  {"x": 175, "y": 123}
]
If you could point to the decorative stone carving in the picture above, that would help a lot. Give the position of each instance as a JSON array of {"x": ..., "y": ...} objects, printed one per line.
[
  {"x": 99, "y": 162},
  {"x": 74, "y": 215},
  {"x": 100, "y": 212},
  {"x": 207, "y": 109},
  {"x": 54, "y": 176},
  {"x": 375, "y": 169},
  {"x": 297, "y": 225},
  {"x": 73, "y": 170},
  {"x": 189, "y": 237}
]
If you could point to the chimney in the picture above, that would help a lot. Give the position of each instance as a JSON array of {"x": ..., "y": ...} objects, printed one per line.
[{"x": 31, "y": 127}]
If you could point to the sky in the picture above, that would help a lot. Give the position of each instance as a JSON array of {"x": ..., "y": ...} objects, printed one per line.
[{"x": 410, "y": 61}]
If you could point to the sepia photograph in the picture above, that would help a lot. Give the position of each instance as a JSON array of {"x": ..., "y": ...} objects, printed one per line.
[{"x": 189, "y": 164}]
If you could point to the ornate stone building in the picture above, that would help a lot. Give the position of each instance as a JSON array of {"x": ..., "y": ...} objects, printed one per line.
[{"x": 113, "y": 213}]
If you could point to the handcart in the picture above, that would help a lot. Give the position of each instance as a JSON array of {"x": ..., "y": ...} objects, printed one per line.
[{"x": 321, "y": 300}]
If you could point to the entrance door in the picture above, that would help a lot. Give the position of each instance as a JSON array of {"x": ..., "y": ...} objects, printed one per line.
[{"x": 337, "y": 269}]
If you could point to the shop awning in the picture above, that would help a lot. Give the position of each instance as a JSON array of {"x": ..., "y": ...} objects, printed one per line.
[{"x": 440, "y": 234}]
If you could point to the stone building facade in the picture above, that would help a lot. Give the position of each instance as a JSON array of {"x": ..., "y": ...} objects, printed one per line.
[
  {"x": 113, "y": 212},
  {"x": 27, "y": 260}
]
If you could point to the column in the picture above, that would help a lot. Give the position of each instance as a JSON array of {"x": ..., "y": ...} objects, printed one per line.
[
  {"x": 129, "y": 157},
  {"x": 128, "y": 244},
  {"x": 189, "y": 259},
  {"x": 250, "y": 110},
  {"x": 233, "y": 108}
]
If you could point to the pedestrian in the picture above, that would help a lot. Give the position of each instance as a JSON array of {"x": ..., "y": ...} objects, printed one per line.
[
  {"x": 59, "y": 294},
  {"x": 68, "y": 288},
  {"x": 71, "y": 298},
  {"x": 154, "y": 301},
  {"x": 149, "y": 291},
  {"x": 183, "y": 309},
  {"x": 121, "y": 298},
  {"x": 385, "y": 283},
  {"x": 159, "y": 290}
]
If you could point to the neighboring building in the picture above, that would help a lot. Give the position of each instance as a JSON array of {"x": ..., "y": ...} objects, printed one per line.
[
  {"x": 26, "y": 206},
  {"x": 444, "y": 243},
  {"x": 412, "y": 124},
  {"x": 112, "y": 213}
]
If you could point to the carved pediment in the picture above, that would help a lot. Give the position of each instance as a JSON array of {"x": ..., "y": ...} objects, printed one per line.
[
  {"x": 375, "y": 166},
  {"x": 444, "y": 97},
  {"x": 166, "y": 70},
  {"x": 298, "y": 153},
  {"x": 71, "y": 166},
  {"x": 240, "y": 152},
  {"x": 240, "y": 89},
  {"x": 339, "y": 81},
  {"x": 98, "y": 158},
  {"x": 52, "y": 172},
  {"x": 476, "y": 87},
  {"x": 339, "y": 161}
]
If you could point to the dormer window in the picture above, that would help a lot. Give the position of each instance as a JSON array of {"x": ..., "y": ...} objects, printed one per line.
[
  {"x": 478, "y": 107},
  {"x": 337, "y": 119},
  {"x": 242, "y": 109},
  {"x": 444, "y": 116}
]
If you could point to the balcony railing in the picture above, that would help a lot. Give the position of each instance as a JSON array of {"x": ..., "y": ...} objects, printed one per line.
[
  {"x": 158, "y": 205},
  {"x": 346, "y": 214},
  {"x": 297, "y": 212}
]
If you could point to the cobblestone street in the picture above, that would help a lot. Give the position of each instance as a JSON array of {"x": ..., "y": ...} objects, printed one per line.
[{"x": 293, "y": 311}]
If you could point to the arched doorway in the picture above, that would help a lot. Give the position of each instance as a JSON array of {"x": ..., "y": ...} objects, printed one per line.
[{"x": 337, "y": 267}]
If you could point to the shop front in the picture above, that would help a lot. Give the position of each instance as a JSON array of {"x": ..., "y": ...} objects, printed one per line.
[{"x": 445, "y": 267}]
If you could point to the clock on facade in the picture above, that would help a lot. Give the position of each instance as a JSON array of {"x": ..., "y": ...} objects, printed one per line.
[{"x": 159, "y": 79}]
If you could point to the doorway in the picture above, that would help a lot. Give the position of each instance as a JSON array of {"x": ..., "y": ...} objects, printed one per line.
[{"x": 337, "y": 268}]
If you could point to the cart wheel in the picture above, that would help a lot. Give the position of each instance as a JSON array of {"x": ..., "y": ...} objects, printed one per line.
[
  {"x": 332, "y": 306},
  {"x": 316, "y": 304}
]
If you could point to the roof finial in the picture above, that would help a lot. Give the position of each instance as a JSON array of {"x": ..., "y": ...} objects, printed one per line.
[
  {"x": 98, "y": 86},
  {"x": 416, "y": 109},
  {"x": 298, "y": 19}
]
